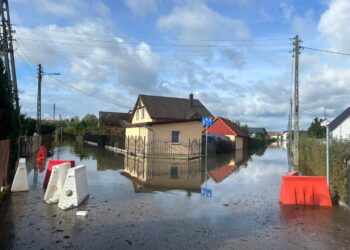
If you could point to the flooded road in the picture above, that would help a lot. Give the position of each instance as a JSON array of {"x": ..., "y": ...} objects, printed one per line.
[{"x": 157, "y": 204}]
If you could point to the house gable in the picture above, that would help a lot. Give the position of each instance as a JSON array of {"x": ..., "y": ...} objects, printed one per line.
[
  {"x": 140, "y": 113},
  {"x": 220, "y": 128},
  {"x": 339, "y": 119},
  {"x": 224, "y": 126}
]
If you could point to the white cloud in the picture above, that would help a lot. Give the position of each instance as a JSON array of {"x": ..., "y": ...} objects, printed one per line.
[
  {"x": 305, "y": 24},
  {"x": 142, "y": 7},
  {"x": 107, "y": 67},
  {"x": 335, "y": 25},
  {"x": 287, "y": 10},
  {"x": 198, "y": 22}
]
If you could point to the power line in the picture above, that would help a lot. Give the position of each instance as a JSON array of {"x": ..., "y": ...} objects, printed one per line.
[
  {"x": 327, "y": 51},
  {"x": 84, "y": 92},
  {"x": 44, "y": 31}
]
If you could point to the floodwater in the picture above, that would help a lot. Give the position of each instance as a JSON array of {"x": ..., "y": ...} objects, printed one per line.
[{"x": 157, "y": 204}]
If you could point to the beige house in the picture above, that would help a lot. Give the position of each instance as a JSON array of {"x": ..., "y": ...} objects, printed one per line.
[{"x": 163, "y": 126}]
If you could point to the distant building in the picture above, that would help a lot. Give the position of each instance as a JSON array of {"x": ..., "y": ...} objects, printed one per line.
[
  {"x": 275, "y": 135},
  {"x": 340, "y": 126},
  {"x": 114, "y": 121},
  {"x": 254, "y": 131},
  {"x": 222, "y": 126}
]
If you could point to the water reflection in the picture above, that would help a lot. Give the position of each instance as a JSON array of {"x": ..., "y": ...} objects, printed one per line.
[
  {"x": 155, "y": 174},
  {"x": 150, "y": 175},
  {"x": 105, "y": 160}
]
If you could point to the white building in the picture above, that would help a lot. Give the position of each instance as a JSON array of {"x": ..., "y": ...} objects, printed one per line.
[{"x": 340, "y": 126}]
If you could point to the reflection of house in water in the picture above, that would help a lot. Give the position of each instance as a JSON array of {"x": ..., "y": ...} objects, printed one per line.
[
  {"x": 227, "y": 165},
  {"x": 151, "y": 174},
  {"x": 156, "y": 174}
]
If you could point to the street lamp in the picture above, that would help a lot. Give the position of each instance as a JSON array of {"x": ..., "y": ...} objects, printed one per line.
[{"x": 38, "y": 107}]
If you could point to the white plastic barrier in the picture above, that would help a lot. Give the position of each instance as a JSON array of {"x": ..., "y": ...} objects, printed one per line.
[
  {"x": 56, "y": 182},
  {"x": 20, "y": 182},
  {"x": 75, "y": 188}
]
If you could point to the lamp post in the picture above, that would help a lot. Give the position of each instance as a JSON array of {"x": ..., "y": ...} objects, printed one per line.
[{"x": 38, "y": 107}]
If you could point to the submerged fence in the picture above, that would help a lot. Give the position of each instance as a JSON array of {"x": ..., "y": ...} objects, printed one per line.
[
  {"x": 162, "y": 148},
  {"x": 138, "y": 145}
]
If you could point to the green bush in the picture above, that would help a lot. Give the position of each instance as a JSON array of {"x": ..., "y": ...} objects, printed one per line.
[{"x": 312, "y": 161}]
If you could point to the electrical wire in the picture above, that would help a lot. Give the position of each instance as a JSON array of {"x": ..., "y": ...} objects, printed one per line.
[
  {"x": 84, "y": 92},
  {"x": 327, "y": 51}
]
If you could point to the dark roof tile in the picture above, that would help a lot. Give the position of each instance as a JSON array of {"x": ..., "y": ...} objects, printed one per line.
[
  {"x": 339, "y": 119},
  {"x": 172, "y": 108}
]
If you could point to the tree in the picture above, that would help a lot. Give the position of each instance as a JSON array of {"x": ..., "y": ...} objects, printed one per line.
[
  {"x": 316, "y": 130},
  {"x": 90, "y": 120},
  {"x": 9, "y": 118}
]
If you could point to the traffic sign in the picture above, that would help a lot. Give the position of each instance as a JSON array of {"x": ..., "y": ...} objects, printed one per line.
[{"x": 207, "y": 121}]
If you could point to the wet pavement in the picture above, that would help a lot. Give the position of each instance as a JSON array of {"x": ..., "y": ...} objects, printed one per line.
[{"x": 157, "y": 204}]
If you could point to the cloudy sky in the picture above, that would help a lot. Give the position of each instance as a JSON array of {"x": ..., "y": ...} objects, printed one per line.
[{"x": 234, "y": 55}]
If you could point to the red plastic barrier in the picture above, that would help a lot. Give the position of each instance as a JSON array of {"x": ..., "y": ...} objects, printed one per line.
[
  {"x": 49, "y": 168},
  {"x": 305, "y": 190},
  {"x": 41, "y": 154}
]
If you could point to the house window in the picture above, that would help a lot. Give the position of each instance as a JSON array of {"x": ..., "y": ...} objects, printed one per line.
[
  {"x": 175, "y": 136},
  {"x": 137, "y": 114},
  {"x": 174, "y": 172}
]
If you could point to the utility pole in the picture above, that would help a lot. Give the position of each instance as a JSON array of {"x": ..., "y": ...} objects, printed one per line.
[
  {"x": 38, "y": 106},
  {"x": 290, "y": 118},
  {"x": 7, "y": 48},
  {"x": 38, "y": 103},
  {"x": 296, "y": 50}
]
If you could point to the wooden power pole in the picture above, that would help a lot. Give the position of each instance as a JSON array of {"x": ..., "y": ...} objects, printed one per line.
[
  {"x": 7, "y": 48},
  {"x": 296, "y": 50},
  {"x": 38, "y": 103}
]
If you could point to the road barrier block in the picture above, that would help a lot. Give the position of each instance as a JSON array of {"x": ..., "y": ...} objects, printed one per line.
[
  {"x": 75, "y": 188},
  {"x": 50, "y": 166},
  {"x": 20, "y": 182},
  {"x": 41, "y": 158},
  {"x": 56, "y": 182},
  {"x": 305, "y": 190}
]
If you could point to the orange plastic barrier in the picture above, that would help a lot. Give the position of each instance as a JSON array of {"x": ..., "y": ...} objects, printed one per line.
[
  {"x": 49, "y": 169},
  {"x": 40, "y": 158},
  {"x": 304, "y": 190}
]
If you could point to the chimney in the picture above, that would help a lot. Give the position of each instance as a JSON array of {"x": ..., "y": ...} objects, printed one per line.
[{"x": 191, "y": 100}]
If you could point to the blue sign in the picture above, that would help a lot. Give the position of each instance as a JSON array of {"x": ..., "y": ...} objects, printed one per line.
[
  {"x": 206, "y": 192},
  {"x": 207, "y": 121}
]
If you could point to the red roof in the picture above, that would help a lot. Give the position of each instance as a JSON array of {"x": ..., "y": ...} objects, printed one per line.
[{"x": 222, "y": 126}]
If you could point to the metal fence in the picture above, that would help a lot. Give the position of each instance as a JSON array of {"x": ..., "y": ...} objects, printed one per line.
[
  {"x": 162, "y": 148},
  {"x": 4, "y": 160},
  {"x": 29, "y": 145}
]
